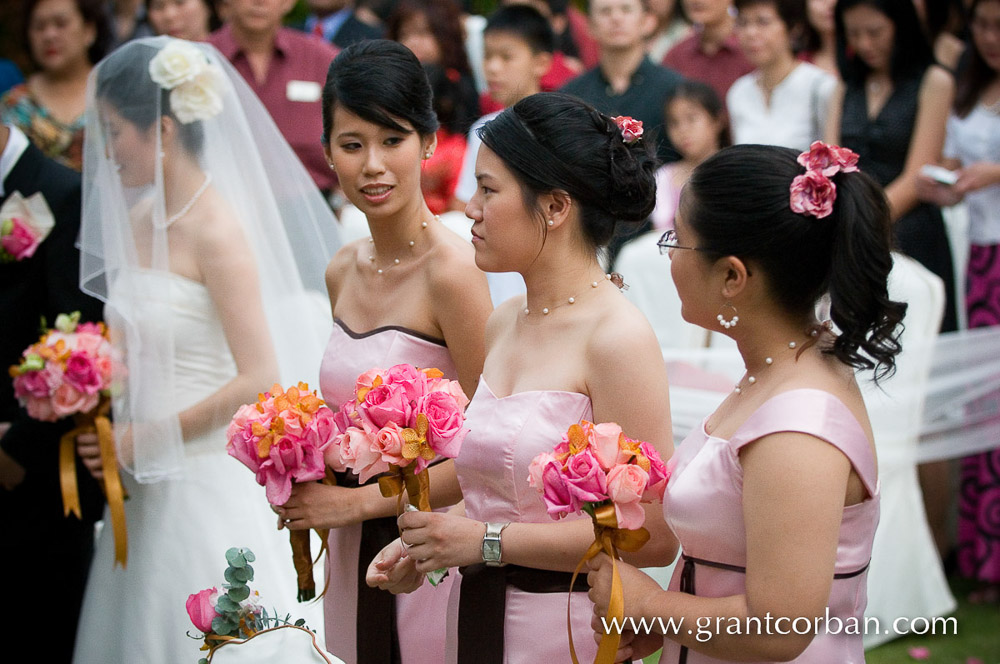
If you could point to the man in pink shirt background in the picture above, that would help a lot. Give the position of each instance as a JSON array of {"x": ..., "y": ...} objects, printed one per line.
[
  {"x": 711, "y": 54},
  {"x": 287, "y": 69}
]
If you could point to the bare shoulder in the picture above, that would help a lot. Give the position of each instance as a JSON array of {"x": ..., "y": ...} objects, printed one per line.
[
  {"x": 502, "y": 318},
  {"x": 937, "y": 81},
  {"x": 451, "y": 264},
  {"x": 621, "y": 333},
  {"x": 341, "y": 264}
]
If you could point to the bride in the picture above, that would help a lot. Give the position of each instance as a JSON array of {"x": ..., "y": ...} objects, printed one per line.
[{"x": 188, "y": 239}]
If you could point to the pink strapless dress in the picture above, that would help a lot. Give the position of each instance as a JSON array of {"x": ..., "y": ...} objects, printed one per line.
[
  {"x": 420, "y": 616},
  {"x": 505, "y": 435},
  {"x": 704, "y": 507}
]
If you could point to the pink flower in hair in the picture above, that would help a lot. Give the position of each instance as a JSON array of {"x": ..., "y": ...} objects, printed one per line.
[
  {"x": 829, "y": 159},
  {"x": 630, "y": 127},
  {"x": 813, "y": 194}
]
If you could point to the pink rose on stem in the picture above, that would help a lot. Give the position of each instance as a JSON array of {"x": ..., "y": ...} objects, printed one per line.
[
  {"x": 358, "y": 451},
  {"x": 452, "y": 387},
  {"x": 585, "y": 478},
  {"x": 367, "y": 379},
  {"x": 67, "y": 400},
  {"x": 21, "y": 242},
  {"x": 536, "y": 467},
  {"x": 626, "y": 484},
  {"x": 444, "y": 423},
  {"x": 658, "y": 473},
  {"x": 201, "y": 609},
  {"x": 604, "y": 441},
  {"x": 41, "y": 409},
  {"x": 384, "y": 404},
  {"x": 81, "y": 373},
  {"x": 32, "y": 384},
  {"x": 389, "y": 441},
  {"x": 559, "y": 500},
  {"x": 91, "y": 344},
  {"x": 407, "y": 378},
  {"x": 813, "y": 193}
]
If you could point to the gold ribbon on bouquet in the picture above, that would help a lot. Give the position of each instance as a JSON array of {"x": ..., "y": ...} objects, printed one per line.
[
  {"x": 610, "y": 539},
  {"x": 417, "y": 486},
  {"x": 95, "y": 421},
  {"x": 302, "y": 554}
]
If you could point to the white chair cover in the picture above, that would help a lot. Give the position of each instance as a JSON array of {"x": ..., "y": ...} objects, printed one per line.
[
  {"x": 286, "y": 644},
  {"x": 906, "y": 578}
]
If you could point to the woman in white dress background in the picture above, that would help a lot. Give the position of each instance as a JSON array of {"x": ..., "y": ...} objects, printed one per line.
[{"x": 188, "y": 239}]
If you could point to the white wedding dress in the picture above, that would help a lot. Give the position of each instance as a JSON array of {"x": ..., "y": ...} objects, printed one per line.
[{"x": 179, "y": 530}]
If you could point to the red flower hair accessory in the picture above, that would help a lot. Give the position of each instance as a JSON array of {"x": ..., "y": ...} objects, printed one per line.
[
  {"x": 813, "y": 192},
  {"x": 630, "y": 127}
]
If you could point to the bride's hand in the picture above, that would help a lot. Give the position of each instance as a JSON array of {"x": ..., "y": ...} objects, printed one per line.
[
  {"x": 315, "y": 505},
  {"x": 436, "y": 539},
  {"x": 89, "y": 449},
  {"x": 393, "y": 570}
]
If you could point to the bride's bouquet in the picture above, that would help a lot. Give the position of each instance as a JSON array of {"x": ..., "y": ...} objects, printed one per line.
[
  {"x": 67, "y": 373},
  {"x": 234, "y": 615},
  {"x": 599, "y": 470},
  {"x": 282, "y": 438},
  {"x": 399, "y": 421}
]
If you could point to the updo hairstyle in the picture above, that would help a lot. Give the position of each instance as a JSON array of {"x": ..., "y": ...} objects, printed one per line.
[
  {"x": 124, "y": 82},
  {"x": 553, "y": 141},
  {"x": 738, "y": 204},
  {"x": 380, "y": 81}
]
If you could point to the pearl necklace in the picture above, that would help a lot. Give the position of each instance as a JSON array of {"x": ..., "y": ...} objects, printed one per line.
[
  {"x": 571, "y": 300},
  {"x": 395, "y": 261},
  {"x": 792, "y": 345},
  {"x": 194, "y": 199}
]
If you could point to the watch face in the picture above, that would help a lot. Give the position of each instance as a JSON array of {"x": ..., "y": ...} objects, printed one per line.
[{"x": 491, "y": 550}]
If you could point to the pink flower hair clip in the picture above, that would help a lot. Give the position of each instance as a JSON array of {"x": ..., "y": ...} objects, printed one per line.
[
  {"x": 630, "y": 127},
  {"x": 813, "y": 192}
]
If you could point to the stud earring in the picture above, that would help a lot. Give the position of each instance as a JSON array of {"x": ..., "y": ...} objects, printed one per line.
[
  {"x": 722, "y": 319},
  {"x": 332, "y": 167},
  {"x": 551, "y": 223},
  {"x": 428, "y": 155}
]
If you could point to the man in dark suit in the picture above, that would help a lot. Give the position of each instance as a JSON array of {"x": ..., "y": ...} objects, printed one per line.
[
  {"x": 335, "y": 21},
  {"x": 44, "y": 556}
]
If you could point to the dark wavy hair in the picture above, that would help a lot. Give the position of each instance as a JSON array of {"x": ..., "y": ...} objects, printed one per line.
[
  {"x": 444, "y": 20},
  {"x": 737, "y": 202},
  {"x": 123, "y": 81},
  {"x": 976, "y": 75},
  {"x": 553, "y": 141},
  {"x": 94, "y": 12},
  {"x": 382, "y": 82},
  {"x": 911, "y": 51}
]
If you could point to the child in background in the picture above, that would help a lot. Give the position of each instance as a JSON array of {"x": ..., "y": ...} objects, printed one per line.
[
  {"x": 696, "y": 125},
  {"x": 517, "y": 44}
]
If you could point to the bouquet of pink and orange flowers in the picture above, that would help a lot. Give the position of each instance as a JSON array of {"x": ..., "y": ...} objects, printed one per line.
[
  {"x": 399, "y": 420},
  {"x": 66, "y": 372},
  {"x": 599, "y": 470},
  {"x": 282, "y": 438}
]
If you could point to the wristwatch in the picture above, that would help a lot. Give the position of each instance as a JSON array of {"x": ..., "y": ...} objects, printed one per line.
[{"x": 492, "y": 551}]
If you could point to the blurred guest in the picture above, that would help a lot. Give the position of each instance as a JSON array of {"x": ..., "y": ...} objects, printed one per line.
[
  {"x": 891, "y": 109},
  {"x": 65, "y": 39},
  {"x": 10, "y": 75},
  {"x": 287, "y": 70},
  {"x": 336, "y": 22},
  {"x": 671, "y": 27},
  {"x": 784, "y": 101},
  {"x": 185, "y": 19},
  {"x": 697, "y": 128},
  {"x": 129, "y": 21},
  {"x": 973, "y": 147},
  {"x": 711, "y": 53},
  {"x": 440, "y": 172},
  {"x": 626, "y": 81},
  {"x": 432, "y": 29},
  {"x": 944, "y": 21},
  {"x": 819, "y": 42}
]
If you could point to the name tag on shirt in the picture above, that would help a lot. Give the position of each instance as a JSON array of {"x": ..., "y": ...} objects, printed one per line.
[{"x": 303, "y": 91}]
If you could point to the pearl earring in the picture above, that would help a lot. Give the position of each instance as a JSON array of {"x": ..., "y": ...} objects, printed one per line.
[
  {"x": 332, "y": 167},
  {"x": 551, "y": 223},
  {"x": 722, "y": 319}
]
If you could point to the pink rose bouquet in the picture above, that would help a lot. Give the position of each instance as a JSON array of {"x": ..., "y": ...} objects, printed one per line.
[
  {"x": 66, "y": 372},
  {"x": 24, "y": 223},
  {"x": 399, "y": 420},
  {"x": 283, "y": 438},
  {"x": 599, "y": 470}
]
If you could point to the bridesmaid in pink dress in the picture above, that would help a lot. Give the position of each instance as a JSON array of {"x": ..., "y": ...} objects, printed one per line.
[
  {"x": 409, "y": 294},
  {"x": 554, "y": 175},
  {"x": 775, "y": 498}
]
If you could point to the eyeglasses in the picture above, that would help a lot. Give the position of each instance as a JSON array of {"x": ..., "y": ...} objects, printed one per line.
[{"x": 668, "y": 241}]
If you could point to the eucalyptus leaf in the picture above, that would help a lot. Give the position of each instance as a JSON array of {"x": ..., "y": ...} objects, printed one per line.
[
  {"x": 227, "y": 605},
  {"x": 238, "y": 594},
  {"x": 300, "y": 622},
  {"x": 248, "y": 555}
]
